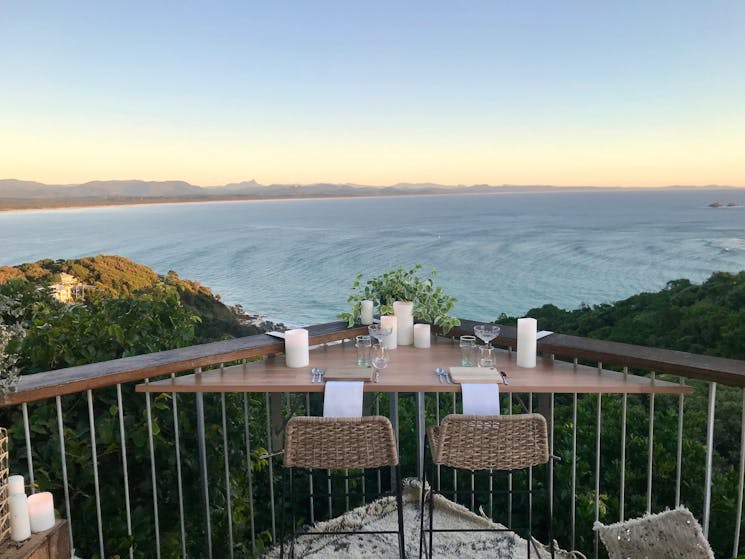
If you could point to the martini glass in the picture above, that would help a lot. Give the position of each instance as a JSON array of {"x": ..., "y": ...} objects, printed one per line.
[
  {"x": 487, "y": 332},
  {"x": 379, "y": 333}
]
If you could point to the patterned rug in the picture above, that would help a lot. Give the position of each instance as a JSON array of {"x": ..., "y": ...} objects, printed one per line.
[{"x": 381, "y": 515}]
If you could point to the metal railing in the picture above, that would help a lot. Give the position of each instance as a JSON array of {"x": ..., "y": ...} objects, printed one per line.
[{"x": 187, "y": 475}]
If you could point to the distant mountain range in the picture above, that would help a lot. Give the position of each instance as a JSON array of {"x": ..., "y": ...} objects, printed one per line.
[{"x": 17, "y": 194}]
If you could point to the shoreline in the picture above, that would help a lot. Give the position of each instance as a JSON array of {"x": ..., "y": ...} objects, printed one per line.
[{"x": 30, "y": 205}]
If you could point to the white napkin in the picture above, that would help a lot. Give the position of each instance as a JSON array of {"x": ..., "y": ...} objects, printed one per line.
[
  {"x": 342, "y": 399},
  {"x": 480, "y": 399}
]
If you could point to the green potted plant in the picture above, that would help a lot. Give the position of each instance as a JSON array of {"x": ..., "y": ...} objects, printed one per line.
[{"x": 431, "y": 303}]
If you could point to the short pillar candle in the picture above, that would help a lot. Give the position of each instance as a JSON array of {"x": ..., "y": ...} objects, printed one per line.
[
  {"x": 297, "y": 353},
  {"x": 20, "y": 523},
  {"x": 391, "y": 340},
  {"x": 16, "y": 485},
  {"x": 366, "y": 312},
  {"x": 41, "y": 511},
  {"x": 526, "y": 342},
  {"x": 422, "y": 336}
]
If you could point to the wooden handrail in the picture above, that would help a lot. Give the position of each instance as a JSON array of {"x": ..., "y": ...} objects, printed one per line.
[{"x": 71, "y": 380}]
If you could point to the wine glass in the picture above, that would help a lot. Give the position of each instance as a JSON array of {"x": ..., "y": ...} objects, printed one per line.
[
  {"x": 379, "y": 333},
  {"x": 379, "y": 359},
  {"x": 487, "y": 332}
]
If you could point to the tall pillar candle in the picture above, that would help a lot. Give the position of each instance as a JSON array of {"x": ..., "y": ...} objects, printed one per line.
[
  {"x": 16, "y": 485},
  {"x": 404, "y": 311},
  {"x": 20, "y": 523},
  {"x": 526, "y": 342},
  {"x": 41, "y": 511},
  {"x": 297, "y": 353},
  {"x": 422, "y": 336},
  {"x": 366, "y": 312},
  {"x": 390, "y": 341}
]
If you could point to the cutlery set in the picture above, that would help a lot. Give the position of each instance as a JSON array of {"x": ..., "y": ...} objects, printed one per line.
[{"x": 316, "y": 375}]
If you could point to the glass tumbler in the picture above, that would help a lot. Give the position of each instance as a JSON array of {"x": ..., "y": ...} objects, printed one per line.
[
  {"x": 468, "y": 351},
  {"x": 363, "y": 345}
]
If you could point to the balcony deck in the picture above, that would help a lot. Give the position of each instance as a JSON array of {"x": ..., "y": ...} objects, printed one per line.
[{"x": 193, "y": 480}]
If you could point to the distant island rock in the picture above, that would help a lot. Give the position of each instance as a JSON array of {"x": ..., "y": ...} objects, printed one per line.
[{"x": 720, "y": 205}]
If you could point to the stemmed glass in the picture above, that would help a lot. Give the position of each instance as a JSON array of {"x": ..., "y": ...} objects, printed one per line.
[
  {"x": 379, "y": 359},
  {"x": 379, "y": 333},
  {"x": 487, "y": 332}
]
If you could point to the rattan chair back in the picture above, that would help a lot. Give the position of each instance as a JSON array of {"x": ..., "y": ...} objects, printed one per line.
[
  {"x": 340, "y": 443},
  {"x": 490, "y": 442}
]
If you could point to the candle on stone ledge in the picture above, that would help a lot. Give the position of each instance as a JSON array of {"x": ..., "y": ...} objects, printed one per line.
[
  {"x": 422, "y": 336},
  {"x": 526, "y": 342},
  {"x": 297, "y": 353},
  {"x": 16, "y": 485},
  {"x": 390, "y": 341},
  {"x": 366, "y": 312},
  {"x": 41, "y": 511}
]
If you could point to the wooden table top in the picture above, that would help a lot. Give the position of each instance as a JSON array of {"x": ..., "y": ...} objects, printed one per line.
[{"x": 411, "y": 370}]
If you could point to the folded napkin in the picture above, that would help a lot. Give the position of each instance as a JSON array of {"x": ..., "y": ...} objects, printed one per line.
[
  {"x": 480, "y": 399},
  {"x": 343, "y": 399}
]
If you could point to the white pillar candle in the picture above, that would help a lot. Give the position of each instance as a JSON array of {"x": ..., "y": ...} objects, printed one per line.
[
  {"x": 41, "y": 511},
  {"x": 16, "y": 485},
  {"x": 404, "y": 311},
  {"x": 297, "y": 353},
  {"x": 422, "y": 336},
  {"x": 390, "y": 341},
  {"x": 366, "y": 312},
  {"x": 20, "y": 524},
  {"x": 526, "y": 342}
]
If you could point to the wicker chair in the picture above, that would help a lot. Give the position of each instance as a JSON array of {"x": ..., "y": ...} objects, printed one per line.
[
  {"x": 330, "y": 443},
  {"x": 494, "y": 443}
]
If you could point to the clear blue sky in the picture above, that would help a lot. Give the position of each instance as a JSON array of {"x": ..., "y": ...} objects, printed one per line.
[{"x": 638, "y": 93}]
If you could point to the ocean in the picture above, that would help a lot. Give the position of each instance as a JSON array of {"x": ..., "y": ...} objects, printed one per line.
[{"x": 295, "y": 260}]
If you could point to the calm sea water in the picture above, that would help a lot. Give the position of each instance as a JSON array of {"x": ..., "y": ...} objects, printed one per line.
[{"x": 295, "y": 260}]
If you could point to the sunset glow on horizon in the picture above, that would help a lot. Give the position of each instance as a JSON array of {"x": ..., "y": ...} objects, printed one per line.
[{"x": 570, "y": 94}]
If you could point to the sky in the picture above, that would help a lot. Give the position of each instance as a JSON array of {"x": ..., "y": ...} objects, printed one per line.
[{"x": 569, "y": 93}]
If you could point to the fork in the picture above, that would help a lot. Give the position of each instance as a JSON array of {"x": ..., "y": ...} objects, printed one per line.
[
  {"x": 313, "y": 375},
  {"x": 443, "y": 374}
]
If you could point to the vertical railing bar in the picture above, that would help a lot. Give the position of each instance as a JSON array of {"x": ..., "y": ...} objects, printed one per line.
[
  {"x": 679, "y": 453},
  {"x": 709, "y": 455},
  {"x": 530, "y": 468},
  {"x": 437, "y": 422},
  {"x": 420, "y": 427},
  {"x": 125, "y": 467},
  {"x": 228, "y": 492},
  {"x": 153, "y": 472},
  {"x": 455, "y": 473},
  {"x": 94, "y": 457},
  {"x": 738, "y": 519},
  {"x": 202, "y": 449},
  {"x": 249, "y": 472},
  {"x": 650, "y": 448},
  {"x": 63, "y": 459},
  {"x": 377, "y": 412},
  {"x": 271, "y": 464},
  {"x": 624, "y": 415},
  {"x": 551, "y": 462},
  {"x": 598, "y": 427},
  {"x": 509, "y": 480},
  {"x": 29, "y": 458},
  {"x": 574, "y": 469},
  {"x": 179, "y": 476},
  {"x": 393, "y": 411}
]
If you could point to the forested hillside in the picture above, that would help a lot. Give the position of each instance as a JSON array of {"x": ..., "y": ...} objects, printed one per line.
[
  {"x": 706, "y": 318},
  {"x": 116, "y": 277}
]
